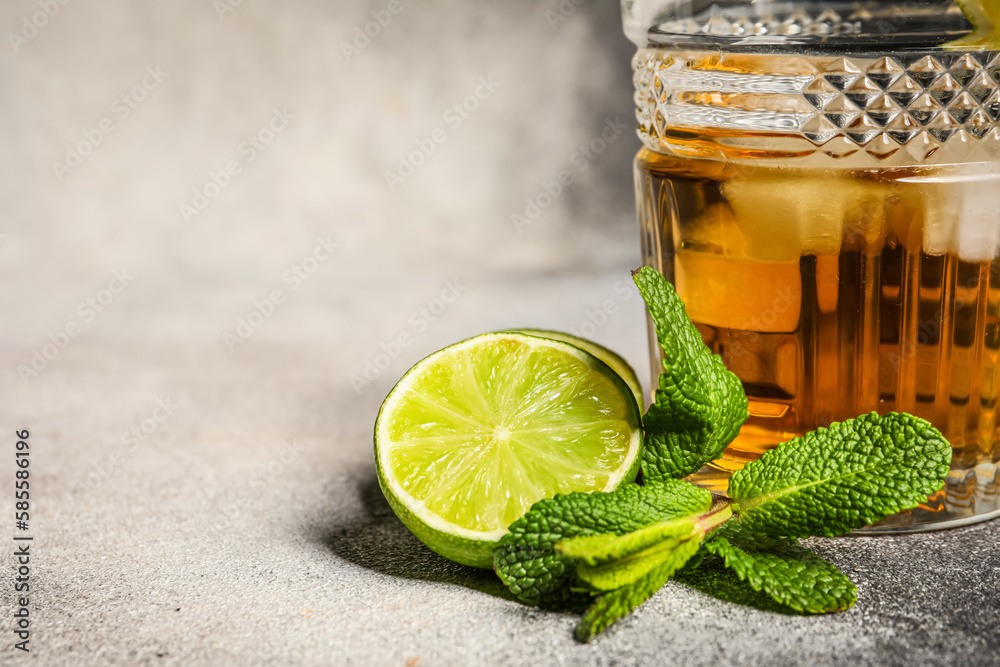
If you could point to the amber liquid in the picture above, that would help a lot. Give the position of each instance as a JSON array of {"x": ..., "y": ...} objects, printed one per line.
[{"x": 833, "y": 293}]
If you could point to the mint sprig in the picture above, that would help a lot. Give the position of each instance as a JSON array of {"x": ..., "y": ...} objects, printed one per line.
[
  {"x": 699, "y": 405},
  {"x": 623, "y": 546},
  {"x": 620, "y": 602},
  {"x": 527, "y": 560},
  {"x": 782, "y": 569},
  {"x": 835, "y": 479}
]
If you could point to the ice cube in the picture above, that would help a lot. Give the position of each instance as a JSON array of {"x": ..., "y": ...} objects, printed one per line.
[
  {"x": 961, "y": 211},
  {"x": 979, "y": 222},
  {"x": 787, "y": 215}
]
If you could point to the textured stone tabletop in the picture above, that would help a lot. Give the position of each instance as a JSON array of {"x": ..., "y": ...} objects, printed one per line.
[{"x": 228, "y": 228}]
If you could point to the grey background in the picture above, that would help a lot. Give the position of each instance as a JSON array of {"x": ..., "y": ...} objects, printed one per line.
[{"x": 246, "y": 527}]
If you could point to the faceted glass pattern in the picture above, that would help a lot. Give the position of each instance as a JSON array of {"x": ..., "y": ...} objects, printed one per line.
[{"x": 842, "y": 106}]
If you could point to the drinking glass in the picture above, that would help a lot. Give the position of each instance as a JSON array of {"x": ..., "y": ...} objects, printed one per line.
[{"x": 821, "y": 183}]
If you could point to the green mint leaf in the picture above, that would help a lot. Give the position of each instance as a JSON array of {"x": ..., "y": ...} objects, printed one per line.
[
  {"x": 836, "y": 479},
  {"x": 526, "y": 559},
  {"x": 699, "y": 405},
  {"x": 610, "y": 548},
  {"x": 607, "y": 562},
  {"x": 715, "y": 579},
  {"x": 611, "y": 576},
  {"x": 619, "y": 603},
  {"x": 693, "y": 563},
  {"x": 792, "y": 575}
]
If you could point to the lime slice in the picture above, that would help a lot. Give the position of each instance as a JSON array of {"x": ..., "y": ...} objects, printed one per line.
[
  {"x": 616, "y": 362},
  {"x": 473, "y": 435},
  {"x": 984, "y": 15}
]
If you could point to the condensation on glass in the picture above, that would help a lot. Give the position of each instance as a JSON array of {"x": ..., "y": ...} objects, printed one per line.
[{"x": 821, "y": 182}]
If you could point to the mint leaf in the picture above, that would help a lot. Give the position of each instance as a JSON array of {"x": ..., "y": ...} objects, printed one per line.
[
  {"x": 619, "y": 561},
  {"x": 617, "y": 604},
  {"x": 835, "y": 479},
  {"x": 606, "y": 562},
  {"x": 612, "y": 575},
  {"x": 594, "y": 550},
  {"x": 526, "y": 559},
  {"x": 792, "y": 575},
  {"x": 699, "y": 406},
  {"x": 715, "y": 579}
]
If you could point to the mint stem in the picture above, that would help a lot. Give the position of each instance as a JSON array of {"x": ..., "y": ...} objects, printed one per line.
[{"x": 721, "y": 513}]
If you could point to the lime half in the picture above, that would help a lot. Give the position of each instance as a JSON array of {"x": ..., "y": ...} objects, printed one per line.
[
  {"x": 473, "y": 435},
  {"x": 615, "y": 361}
]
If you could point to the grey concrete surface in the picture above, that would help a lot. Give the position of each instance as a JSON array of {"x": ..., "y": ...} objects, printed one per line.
[{"x": 245, "y": 526}]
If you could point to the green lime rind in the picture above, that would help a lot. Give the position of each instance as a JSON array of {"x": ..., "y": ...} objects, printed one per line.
[
  {"x": 475, "y": 553},
  {"x": 564, "y": 409},
  {"x": 611, "y": 358}
]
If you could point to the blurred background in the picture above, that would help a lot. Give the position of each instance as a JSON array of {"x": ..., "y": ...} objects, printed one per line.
[
  {"x": 120, "y": 120},
  {"x": 229, "y": 227}
]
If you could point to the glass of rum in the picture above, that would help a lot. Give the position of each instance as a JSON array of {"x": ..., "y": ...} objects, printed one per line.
[{"x": 821, "y": 183}]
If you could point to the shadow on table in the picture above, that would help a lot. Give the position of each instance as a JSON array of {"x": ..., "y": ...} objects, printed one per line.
[{"x": 379, "y": 541}]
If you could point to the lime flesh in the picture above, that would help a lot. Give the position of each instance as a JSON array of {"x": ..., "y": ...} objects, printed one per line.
[
  {"x": 612, "y": 359},
  {"x": 476, "y": 433}
]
